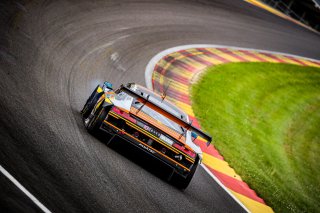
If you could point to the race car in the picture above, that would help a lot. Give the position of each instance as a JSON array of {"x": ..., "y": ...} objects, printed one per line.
[{"x": 150, "y": 123}]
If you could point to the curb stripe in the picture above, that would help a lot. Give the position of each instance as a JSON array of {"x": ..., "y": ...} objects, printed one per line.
[
  {"x": 202, "y": 61},
  {"x": 220, "y": 165},
  {"x": 296, "y": 60},
  {"x": 173, "y": 93},
  {"x": 274, "y": 57},
  {"x": 256, "y": 56},
  {"x": 229, "y": 52},
  {"x": 195, "y": 57},
  {"x": 236, "y": 186},
  {"x": 254, "y": 205},
  {"x": 210, "y": 150},
  {"x": 173, "y": 75},
  {"x": 184, "y": 66},
  {"x": 216, "y": 56},
  {"x": 213, "y": 55},
  {"x": 213, "y": 61}
]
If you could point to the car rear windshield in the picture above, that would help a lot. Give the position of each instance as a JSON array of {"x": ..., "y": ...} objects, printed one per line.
[
  {"x": 159, "y": 117},
  {"x": 153, "y": 98}
]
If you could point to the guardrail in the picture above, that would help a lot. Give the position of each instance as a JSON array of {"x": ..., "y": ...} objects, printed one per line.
[{"x": 286, "y": 8}]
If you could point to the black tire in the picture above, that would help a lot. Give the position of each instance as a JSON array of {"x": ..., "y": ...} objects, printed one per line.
[
  {"x": 90, "y": 103},
  {"x": 183, "y": 183},
  {"x": 97, "y": 119}
]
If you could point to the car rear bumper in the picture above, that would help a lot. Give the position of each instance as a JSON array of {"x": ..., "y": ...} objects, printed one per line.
[{"x": 119, "y": 136}]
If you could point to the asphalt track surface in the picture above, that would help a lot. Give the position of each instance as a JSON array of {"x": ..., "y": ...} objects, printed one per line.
[{"x": 53, "y": 53}]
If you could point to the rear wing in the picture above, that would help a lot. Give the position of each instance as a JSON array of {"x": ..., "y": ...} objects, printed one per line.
[{"x": 174, "y": 118}]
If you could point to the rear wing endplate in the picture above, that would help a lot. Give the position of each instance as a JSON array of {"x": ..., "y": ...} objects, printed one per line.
[{"x": 174, "y": 118}]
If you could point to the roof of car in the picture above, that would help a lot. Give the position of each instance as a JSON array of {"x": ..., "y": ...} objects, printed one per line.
[{"x": 163, "y": 103}]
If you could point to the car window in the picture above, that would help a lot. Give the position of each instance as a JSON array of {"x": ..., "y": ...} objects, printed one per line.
[
  {"x": 159, "y": 117},
  {"x": 162, "y": 103}
]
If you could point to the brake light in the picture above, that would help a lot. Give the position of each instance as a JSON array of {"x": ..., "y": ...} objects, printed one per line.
[
  {"x": 123, "y": 114},
  {"x": 185, "y": 150}
]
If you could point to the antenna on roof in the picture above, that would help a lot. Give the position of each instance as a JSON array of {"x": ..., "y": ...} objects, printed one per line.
[
  {"x": 187, "y": 128},
  {"x": 140, "y": 108},
  {"x": 164, "y": 94}
]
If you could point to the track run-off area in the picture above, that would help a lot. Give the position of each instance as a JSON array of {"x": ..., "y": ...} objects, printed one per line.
[
  {"x": 54, "y": 53},
  {"x": 175, "y": 70}
]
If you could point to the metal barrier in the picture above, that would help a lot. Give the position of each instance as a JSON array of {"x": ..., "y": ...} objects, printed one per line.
[{"x": 286, "y": 8}]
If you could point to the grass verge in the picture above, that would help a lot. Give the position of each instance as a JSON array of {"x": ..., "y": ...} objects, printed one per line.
[{"x": 265, "y": 121}]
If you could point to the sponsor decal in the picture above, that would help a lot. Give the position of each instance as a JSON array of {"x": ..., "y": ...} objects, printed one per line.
[
  {"x": 152, "y": 131},
  {"x": 155, "y": 133},
  {"x": 165, "y": 139},
  {"x": 149, "y": 129},
  {"x": 147, "y": 148}
]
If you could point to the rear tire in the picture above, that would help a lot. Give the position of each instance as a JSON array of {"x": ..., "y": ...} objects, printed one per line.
[
  {"x": 183, "y": 183},
  {"x": 90, "y": 103},
  {"x": 96, "y": 120}
]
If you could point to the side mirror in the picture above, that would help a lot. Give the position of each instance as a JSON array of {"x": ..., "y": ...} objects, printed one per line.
[
  {"x": 107, "y": 84},
  {"x": 194, "y": 136}
]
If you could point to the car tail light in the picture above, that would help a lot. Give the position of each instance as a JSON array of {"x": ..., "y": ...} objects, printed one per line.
[
  {"x": 123, "y": 114},
  {"x": 185, "y": 150}
]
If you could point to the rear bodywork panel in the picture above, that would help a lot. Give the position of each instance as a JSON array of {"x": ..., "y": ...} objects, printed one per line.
[{"x": 153, "y": 125}]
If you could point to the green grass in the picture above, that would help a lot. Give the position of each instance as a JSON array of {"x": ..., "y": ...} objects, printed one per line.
[{"x": 265, "y": 121}]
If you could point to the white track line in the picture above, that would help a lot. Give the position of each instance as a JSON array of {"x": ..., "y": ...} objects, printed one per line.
[
  {"x": 224, "y": 187},
  {"x": 152, "y": 63},
  {"x": 24, "y": 190}
]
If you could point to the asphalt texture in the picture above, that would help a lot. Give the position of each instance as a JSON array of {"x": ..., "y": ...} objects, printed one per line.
[{"x": 53, "y": 53}]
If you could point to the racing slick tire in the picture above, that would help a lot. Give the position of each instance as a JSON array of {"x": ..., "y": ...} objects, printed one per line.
[
  {"x": 95, "y": 120},
  {"x": 90, "y": 103},
  {"x": 181, "y": 182}
]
